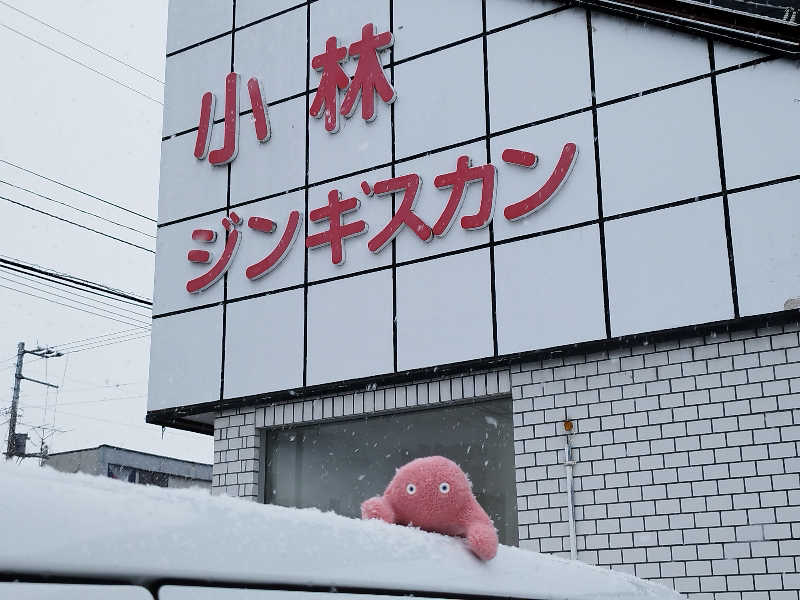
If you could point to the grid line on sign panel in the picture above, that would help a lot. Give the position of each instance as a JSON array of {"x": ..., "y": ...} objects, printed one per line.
[
  {"x": 723, "y": 181},
  {"x": 488, "y": 129},
  {"x": 394, "y": 200},
  {"x": 502, "y": 242},
  {"x": 305, "y": 193},
  {"x": 598, "y": 177},
  {"x": 227, "y": 233}
]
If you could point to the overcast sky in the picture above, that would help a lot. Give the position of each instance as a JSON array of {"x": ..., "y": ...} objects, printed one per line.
[{"x": 71, "y": 124}]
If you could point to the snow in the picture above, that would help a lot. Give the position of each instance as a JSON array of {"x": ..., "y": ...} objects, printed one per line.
[{"x": 79, "y": 524}]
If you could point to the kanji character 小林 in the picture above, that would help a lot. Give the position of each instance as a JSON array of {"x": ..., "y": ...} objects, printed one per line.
[
  {"x": 540, "y": 197},
  {"x": 404, "y": 215},
  {"x": 336, "y": 232},
  {"x": 369, "y": 77},
  {"x": 333, "y": 79},
  {"x": 458, "y": 180},
  {"x": 207, "y": 279},
  {"x": 274, "y": 258}
]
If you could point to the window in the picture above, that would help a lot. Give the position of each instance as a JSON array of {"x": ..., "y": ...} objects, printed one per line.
[{"x": 337, "y": 465}]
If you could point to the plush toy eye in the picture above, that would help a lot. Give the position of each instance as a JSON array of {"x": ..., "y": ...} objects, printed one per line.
[
  {"x": 411, "y": 489},
  {"x": 444, "y": 487}
]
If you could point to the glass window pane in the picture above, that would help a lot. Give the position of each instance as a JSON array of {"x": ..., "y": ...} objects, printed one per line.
[{"x": 336, "y": 466}]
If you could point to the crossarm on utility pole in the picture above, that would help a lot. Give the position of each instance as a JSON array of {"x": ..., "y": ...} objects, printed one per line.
[{"x": 39, "y": 382}]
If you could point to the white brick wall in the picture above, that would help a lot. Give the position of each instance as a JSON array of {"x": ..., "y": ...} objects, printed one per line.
[{"x": 688, "y": 455}]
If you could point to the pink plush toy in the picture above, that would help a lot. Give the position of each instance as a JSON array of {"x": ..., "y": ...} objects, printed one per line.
[{"x": 434, "y": 494}]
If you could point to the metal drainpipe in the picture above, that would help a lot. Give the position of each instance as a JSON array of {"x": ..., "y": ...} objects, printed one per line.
[{"x": 569, "y": 464}]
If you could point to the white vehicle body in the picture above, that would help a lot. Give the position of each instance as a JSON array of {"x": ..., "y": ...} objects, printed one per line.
[{"x": 94, "y": 533}]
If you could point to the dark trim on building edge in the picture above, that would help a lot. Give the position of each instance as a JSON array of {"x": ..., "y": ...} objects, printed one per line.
[{"x": 175, "y": 417}]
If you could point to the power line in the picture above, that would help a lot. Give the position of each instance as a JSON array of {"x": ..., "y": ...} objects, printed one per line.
[
  {"x": 75, "y": 298},
  {"x": 77, "y": 62},
  {"x": 72, "y": 307},
  {"x": 80, "y": 41},
  {"x": 23, "y": 205},
  {"x": 97, "y": 337},
  {"x": 95, "y": 347},
  {"x": 116, "y": 303},
  {"x": 33, "y": 268},
  {"x": 100, "y": 401},
  {"x": 80, "y": 210},
  {"x": 34, "y": 276},
  {"x": 80, "y": 191}
]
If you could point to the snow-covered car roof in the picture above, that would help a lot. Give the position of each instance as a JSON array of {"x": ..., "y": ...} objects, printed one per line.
[{"x": 74, "y": 525}]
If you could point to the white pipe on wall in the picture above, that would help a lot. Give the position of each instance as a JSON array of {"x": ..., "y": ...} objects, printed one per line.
[{"x": 569, "y": 464}]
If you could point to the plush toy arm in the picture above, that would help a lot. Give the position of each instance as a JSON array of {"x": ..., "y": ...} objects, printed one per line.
[
  {"x": 377, "y": 508},
  {"x": 482, "y": 539}
]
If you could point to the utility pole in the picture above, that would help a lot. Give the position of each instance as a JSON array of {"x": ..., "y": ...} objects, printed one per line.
[
  {"x": 12, "y": 421},
  {"x": 11, "y": 448}
]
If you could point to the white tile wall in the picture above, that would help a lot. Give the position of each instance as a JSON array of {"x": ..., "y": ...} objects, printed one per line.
[{"x": 686, "y": 453}]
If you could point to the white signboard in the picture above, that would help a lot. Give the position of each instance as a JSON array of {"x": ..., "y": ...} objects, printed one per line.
[{"x": 348, "y": 193}]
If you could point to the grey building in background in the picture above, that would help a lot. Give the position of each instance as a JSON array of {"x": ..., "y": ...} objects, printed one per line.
[{"x": 133, "y": 466}]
